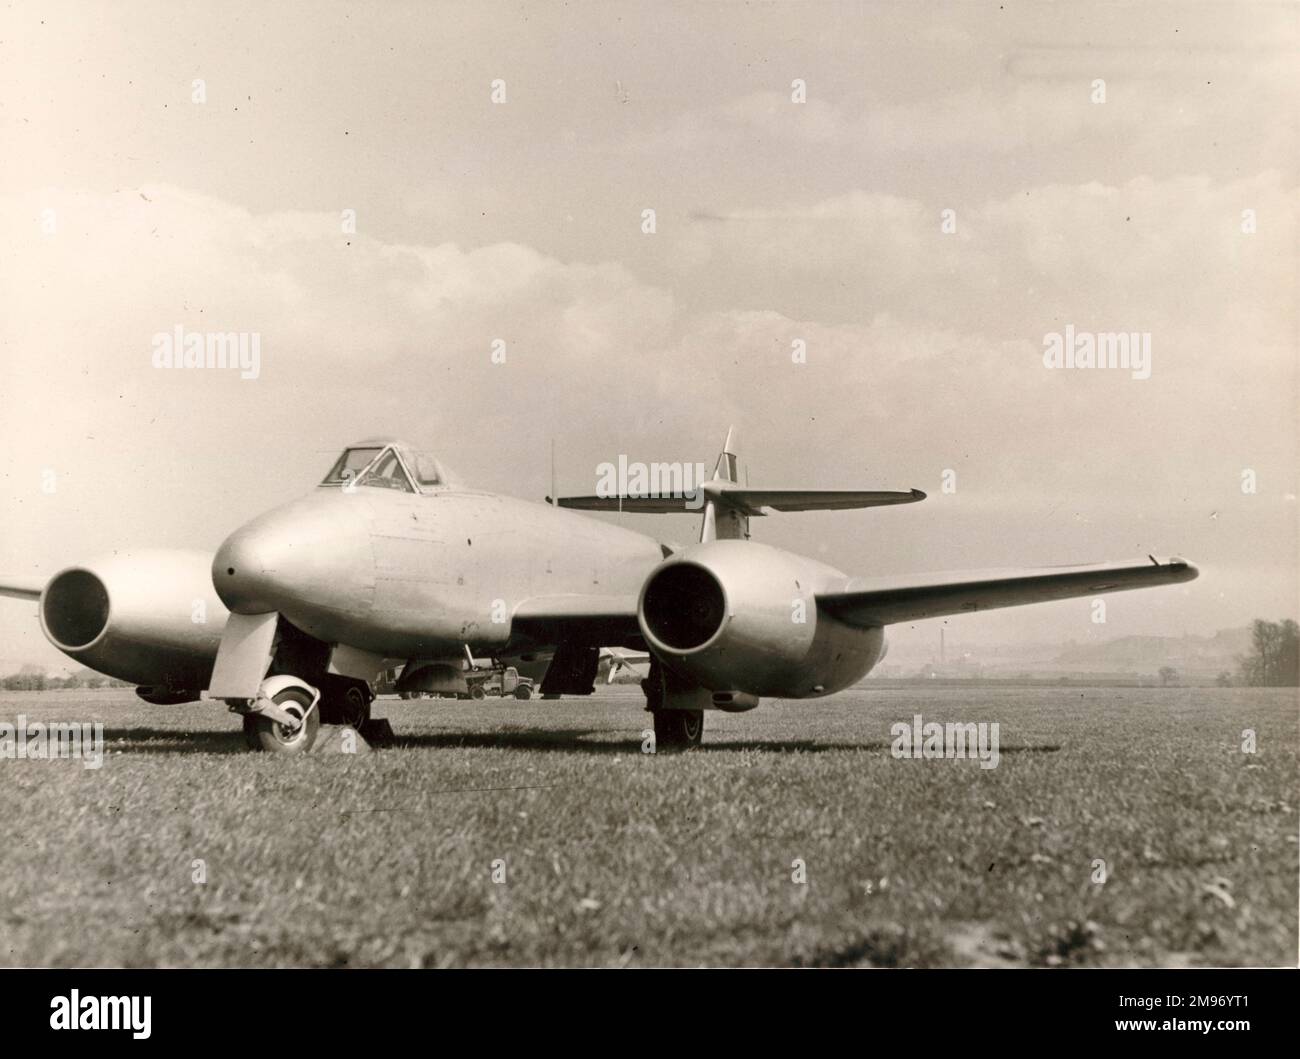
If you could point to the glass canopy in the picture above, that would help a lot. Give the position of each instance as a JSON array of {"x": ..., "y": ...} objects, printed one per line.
[{"x": 386, "y": 463}]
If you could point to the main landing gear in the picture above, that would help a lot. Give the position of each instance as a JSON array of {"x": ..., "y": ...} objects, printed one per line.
[
  {"x": 345, "y": 700},
  {"x": 675, "y": 730}
]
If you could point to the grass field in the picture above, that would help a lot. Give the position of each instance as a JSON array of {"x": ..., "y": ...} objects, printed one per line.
[{"x": 613, "y": 857}]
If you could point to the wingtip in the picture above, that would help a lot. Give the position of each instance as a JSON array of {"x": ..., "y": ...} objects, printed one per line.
[{"x": 917, "y": 495}]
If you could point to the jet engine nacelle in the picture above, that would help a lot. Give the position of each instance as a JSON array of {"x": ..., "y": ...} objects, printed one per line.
[
  {"x": 741, "y": 616},
  {"x": 150, "y": 617}
]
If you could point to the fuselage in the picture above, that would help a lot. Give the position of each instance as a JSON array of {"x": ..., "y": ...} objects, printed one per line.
[{"x": 421, "y": 575}]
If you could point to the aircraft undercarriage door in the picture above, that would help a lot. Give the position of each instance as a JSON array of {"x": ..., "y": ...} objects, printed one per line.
[
  {"x": 244, "y": 656},
  {"x": 666, "y": 690},
  {"x": 572, "y": 671}
]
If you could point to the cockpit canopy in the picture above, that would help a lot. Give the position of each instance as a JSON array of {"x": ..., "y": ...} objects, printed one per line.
[{"x": 387, "y": 463}]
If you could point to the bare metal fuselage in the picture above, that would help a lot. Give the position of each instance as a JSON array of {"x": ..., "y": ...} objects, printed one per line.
[{"x": 407, "y": 575}]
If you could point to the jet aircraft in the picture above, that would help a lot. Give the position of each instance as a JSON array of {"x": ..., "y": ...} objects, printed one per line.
[{"x": 391, "y": 560}]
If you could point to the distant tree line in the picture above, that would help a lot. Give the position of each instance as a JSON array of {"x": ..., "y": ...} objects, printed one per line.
[
  {"x": 33, "y": 678},
  {"x": 1274, "y": 659}
]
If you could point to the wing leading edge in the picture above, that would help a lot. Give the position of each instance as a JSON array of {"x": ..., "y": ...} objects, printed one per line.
[{"x": 888, "y": 601}]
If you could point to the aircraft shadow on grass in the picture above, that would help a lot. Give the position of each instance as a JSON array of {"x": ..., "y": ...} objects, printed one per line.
[{"x": 575, "y": 740}]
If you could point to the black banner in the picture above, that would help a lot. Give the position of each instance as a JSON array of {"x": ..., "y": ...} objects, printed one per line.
[{"x": 144, "y": 1008}]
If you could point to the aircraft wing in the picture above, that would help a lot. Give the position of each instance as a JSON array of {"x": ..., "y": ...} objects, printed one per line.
[
  {"x": 21, "y": 587},
  {"x": 868, "y": 602}
]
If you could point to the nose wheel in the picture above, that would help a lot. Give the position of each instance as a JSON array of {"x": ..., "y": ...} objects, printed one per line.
[{"x": 262, "y": 732}]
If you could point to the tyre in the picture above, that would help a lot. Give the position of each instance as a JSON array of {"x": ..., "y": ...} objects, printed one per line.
[
  {"x": 476, "y": 692},
  {"x": 345, "y": 701},
  {"x": 263, "y": 733},
  {"x": 354, "y": 705},
  {"x": 678, "y": 730},
  {"x": 523, "y": 692}
]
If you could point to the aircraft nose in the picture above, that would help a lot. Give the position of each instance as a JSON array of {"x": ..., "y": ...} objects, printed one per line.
[
  {"x": 306, "y": 557},
  {"x": 239, "y": 573}
]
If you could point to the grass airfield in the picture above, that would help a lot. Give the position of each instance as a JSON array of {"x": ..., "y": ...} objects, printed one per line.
[{"x": 612, "y": 857}]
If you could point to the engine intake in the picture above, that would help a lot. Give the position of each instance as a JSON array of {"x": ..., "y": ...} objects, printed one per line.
[
  {"x": 149, "y": 617},
  {"x": 684, "y": 606},
  {"x": 74, "y": 609}
]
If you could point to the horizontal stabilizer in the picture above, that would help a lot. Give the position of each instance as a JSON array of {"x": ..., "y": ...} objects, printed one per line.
[
  {"x": 868, "y": 602},
  {"x": 21, "y": 587},
  {"x": 637, "y": 505},
  {"x": 745, "y": 500},
  {"x": 752, "y": 501}
]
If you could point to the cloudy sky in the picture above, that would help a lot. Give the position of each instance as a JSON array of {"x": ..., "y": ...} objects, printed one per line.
[{"x": 1112, "y": 167}]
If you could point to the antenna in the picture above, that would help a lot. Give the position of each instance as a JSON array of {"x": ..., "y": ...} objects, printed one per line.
[{"x": 554, "y": 497}]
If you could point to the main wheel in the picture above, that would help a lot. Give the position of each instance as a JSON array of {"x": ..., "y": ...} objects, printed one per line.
[
  {"x": 344, "y": 700},
  {"x": 677, "y": 730},
  {"x": 353, "y": 706},
  {"x": 263, "y": 733}
]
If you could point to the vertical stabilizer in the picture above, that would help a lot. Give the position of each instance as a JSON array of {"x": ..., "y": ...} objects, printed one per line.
[{"x": 722, "y": 521}]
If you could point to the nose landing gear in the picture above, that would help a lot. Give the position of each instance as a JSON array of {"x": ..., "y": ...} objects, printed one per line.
[
  {"x": 286, "y": 723},
  {"x": 287, "y": 714}
]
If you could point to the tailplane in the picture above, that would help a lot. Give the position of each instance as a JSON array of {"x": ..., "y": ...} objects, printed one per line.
[{"x": 728, "y": 506}]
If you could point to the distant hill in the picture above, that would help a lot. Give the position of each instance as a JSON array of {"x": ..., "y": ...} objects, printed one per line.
[
  {"x": 1188, "y": 654},
  {"x": 1198, "y": 659}
]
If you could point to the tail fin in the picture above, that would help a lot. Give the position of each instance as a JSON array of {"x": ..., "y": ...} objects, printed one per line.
[{"x": 723, "y": 521}]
